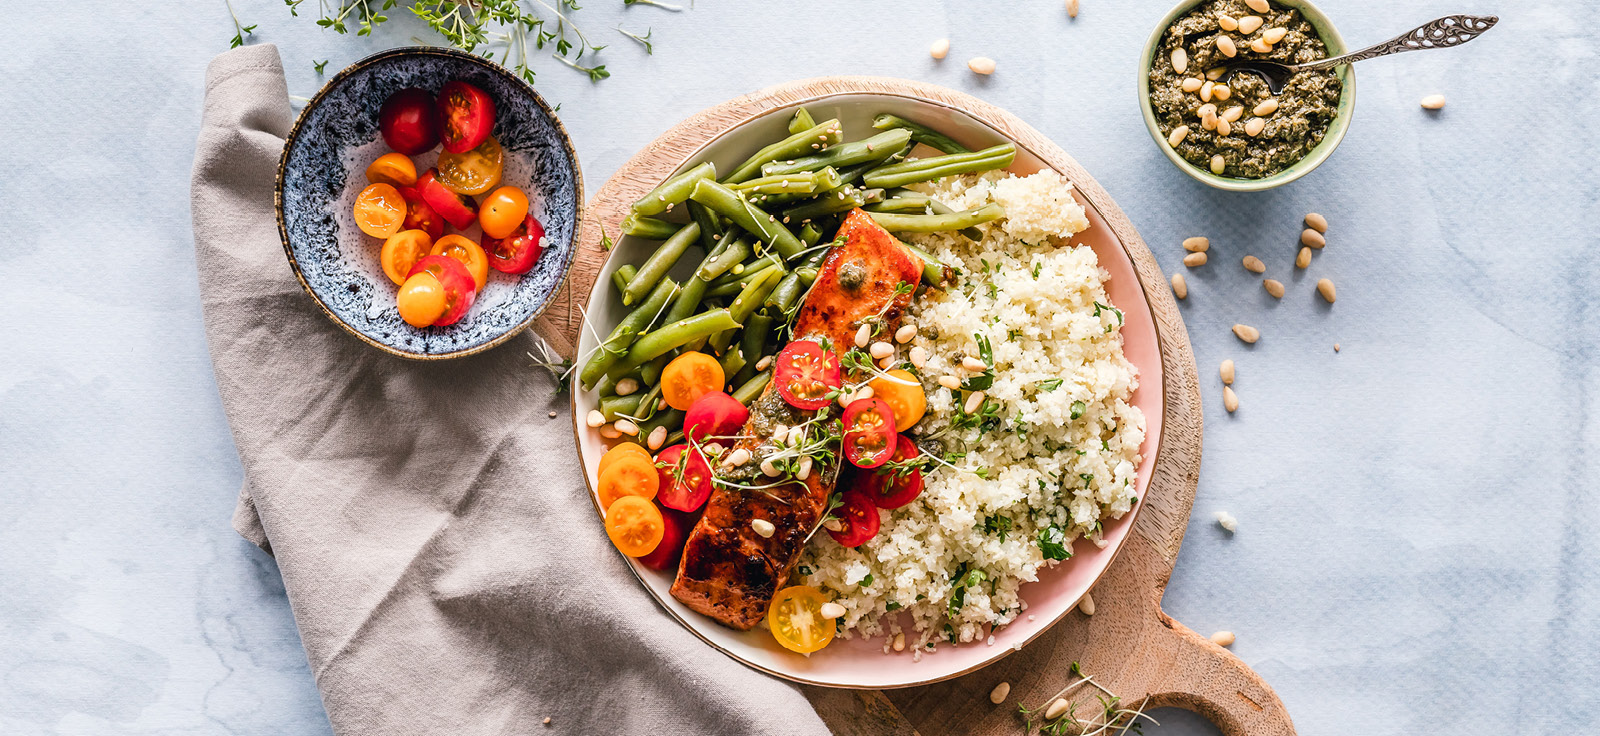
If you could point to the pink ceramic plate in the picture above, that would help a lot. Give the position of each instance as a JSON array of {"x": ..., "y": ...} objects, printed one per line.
[{"x": 861, "y": 663}]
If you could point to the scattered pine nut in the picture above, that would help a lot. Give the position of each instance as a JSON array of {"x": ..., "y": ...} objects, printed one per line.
[
  {"x": 1227, "y": 23},
  {"x": 1317, "y": 222},
  {"x": 1226, "y": 521},
  {"x": 1209, "y": 122},
  {"x": 1261, "y": 47},
  {"x": 905, "y": 333},
  {"x": 939, "y": 48},
  {"x": 1218, "y": 164},
  {"x": 1216, "y": 73},
  {"x": 1246, "y": 333},
  {"x": 981, "y": 65},
  {"x": 804, "y": 471},
  {"x": 738, "y": 457},
  {"x": 865, "y": 392},
  {"x": 1056, "y": 709},
  {"x": 769, "y": 468},
  {"x": 1177, "y": 135},
  {"x": 1180, "y": 288},
  {"x": 886, "y": 362},
  {"x": 1433, "y": 102},
  {"x": 1325, "y": 288},
  {"x": 1225, "y": 45},
  {"x": 594, "y": 418},
  {"x": 1226, "y": 372},
  {"x": 1312, "y": 238},
  {"x": 880, "y": 350},
  {"x": 1267, "y": 107},
  {"x": 1224, "y": 128},
  {"x": 919, "y": 356},
  {"x": 1230, "y": 400},
  {"x": 1222, "y": 91},
  {"x": 950, "y": 382},
  {"x": 1180, "y": 60},
  {"x": 1250, "y": 24},
  {"x": 1000, "y": 692},
  {"x": 627, "y": 386},
  {"x": 974, "y": 402},
  {"x": 1254, "y": 265},
  {"x": 609, "y": 432},
  {"x": 1274, "y": 35},
  {"x": 1233, "y": 114},
  {"x": 1072, "y": 12},
  {"x": 1206, "y": 90},
  {"x": 1260, "y": 6},
  {"x": 1303, "y": 258},
  {"x": 657, "y": 438},
  {"x": 765, "y": 529},
  {"x": 1254, "y": 127},
  {"x": 1197, "y": 244},
  {"x": 547, "y": 720},
  {"x": 1086, "y": 605},
  {"x": 1223, "y": 638},
  {"x": 1207, "y": 110},
  {"x": 974, "y": 364},
  {"x": 1273, "y": 287},
  {"x": 900, "y": 642},
  {"x": 830, "y": 610},
  {"x": 1192, "y": 84},
  {"x": 1194, "y": 259},
  {"x": 1336, "y": 347},
  {"x": 764, "y": 363},
  {"x": 863, "y": 336},
  {"x": 552, "y": 415}
]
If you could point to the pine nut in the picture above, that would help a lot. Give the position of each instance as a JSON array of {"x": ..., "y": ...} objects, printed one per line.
[
  {"x": 1336, "y": 347},
  {"x": 1274, "y": 35},
  {"x": 657, "y": 438},
  {"x": 1223, "y": 638},
  {"x": 1056, "y": 709},
  {"x": 1218, "y": 164},
  {"x": 1226, "y": 371},
  {"x": 1192, "y": 84},
  {"x": 1216, "y": 73},
  {"x": 764, "y": 363},
  {"x": 1317, "y": 222},
  {"x": 738, "y": 457},
  {"x": 712, "y": 449},
  {"x": 981, "y": 65},
  {"x": 1250, "y": 24},
  {"x": 880, "y": 350},
  {"x": 1325, "y": 288},
  {"x": 900, "y": 642},
  {"x": 1312, "y": 238},
  {"x": 1232, "y": 114},
  {"x": 950, "y": 382},
  {"x": 1254, "y": 126},
  {"x": 974, "y": 402},
  {"x": 1000, "y": 692},
  {"x": 1227, "y": 23},
  {"x": 1086, "y": 605},
  {"x": 1273, "y": 287},
  {"x": 833, "y": 525},
  {"x": 973, "y": 364},
  {"x": 1206, "y": 89},
  {"x": 1433, "y": 102},
  {"x": 804, "y": 471},
  {"x": 863, "y": 336},
  {"x": 939, "y": 48},
  {"x": 769, "y": 468},
  {"x": 765, "y": 529},
  {"x": 1197, "y": 244},
  {"x": 594, "y": 418},
  {"x": 905, "y": 333},
  {"x": 1180, "y": 287},
  {"x": 1261, "y": 47},
  {"x": 1072, "y": 8},
  {"x": 1224, "y": 128},
  {"x": 865, "y": 392},
  {"x": 919, "y": 356},
  {"x": 886, "y": 362},
  {"x": 627, "y": 386},
  {"x": 1208, "y": 110},
  {"x": 1225, "y": 45},
  {"x": 830, "y": 610},
  {"x": 1177, "y": 135},
  {"x": 1254, "y": 265},
  {"x": 1222, "y": 91},
  {"x": 1180, "y": 60},
  {"x": 1226, "y": 521},
  {"x": 1209, "y": 122},
  {"x": 1303, "y": 258},
  {"x": 1230, "y": 400},
  {"x": 1267, "y": 107},
  {"x": 609, "y": 432},
  {"x": 1194, "y": 259},
  {"x": 1260, "y": 6},
  {"x": 1246, "y": 333}
]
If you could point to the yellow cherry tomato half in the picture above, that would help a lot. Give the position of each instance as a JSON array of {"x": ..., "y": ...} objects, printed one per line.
[
  {"x": 402, "y": 251},
  {"x": 473, "y": 172},
  {"x": 502, "y": 212},
  {"x": 422, "y": 300},
  {"x": 628, "y": 476},
  {"x": 470, "y": 254},
  {"x": 795, "y": 618},
  {"x": 392, "y": 168},
  {"x": 617, "y": 453},
  {"x": 380, "y": 210},
  {"x": 904, "y": 395},
  {"x": 635, "y": 525},
  {"x": 688, "y": 376}
]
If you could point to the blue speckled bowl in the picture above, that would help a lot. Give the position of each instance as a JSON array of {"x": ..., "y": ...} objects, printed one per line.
[{"x": 323, "y": 168}]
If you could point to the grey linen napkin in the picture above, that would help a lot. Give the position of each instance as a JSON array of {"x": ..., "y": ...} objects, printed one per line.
[{"x": 430, "y": 522}]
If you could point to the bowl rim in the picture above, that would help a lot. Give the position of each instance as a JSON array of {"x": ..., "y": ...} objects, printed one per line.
[
  {"x": 516, "y": 81},
  {"x": 1336, "y": 130}
]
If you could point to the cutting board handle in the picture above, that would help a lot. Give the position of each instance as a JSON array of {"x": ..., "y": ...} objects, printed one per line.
[{"x": 1209, "y": 680}]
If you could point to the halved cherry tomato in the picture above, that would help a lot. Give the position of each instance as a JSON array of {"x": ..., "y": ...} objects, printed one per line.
[
  {"x": 714, "y": 414},
  {"x": 470, "y": 254},
  {"x": 517, "y": 252},
  {"x": 893, "y": 487},
  {"x": 903, "y": 392},
  {"x": 620, "y": 451},
  {"x": 502, "y": 212},
  {"x": 409, "y": 122},
  {"x": 466, "y": 116},
  {"x": 688, "y": 377},
  {"x": 460, "y": 290},
  {"x": 380, "y": 210},
  {"x": 422, "y": 299},
  {"x": 859, "y": 517},
  {"x": 685, "y": 478},
  {"x": 869, "y": 432},
  {"x": 392, "y": 168},
  {"x": 675, "y": 526},
  {"x": 635, "y": 525},
  {"x": 402, "y": 251},
  {"x": 473, "y": 172},
  {"x": 419, "y": 216},
  {"x": 805, "y": 373},
  {"x": 628, "y": 476},
  {"x": 795, "y": 617},
  {"x": 456, "y": 209}
]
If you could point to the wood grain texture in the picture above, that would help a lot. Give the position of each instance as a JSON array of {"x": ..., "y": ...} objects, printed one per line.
[{"x": 1130, "y": 646}]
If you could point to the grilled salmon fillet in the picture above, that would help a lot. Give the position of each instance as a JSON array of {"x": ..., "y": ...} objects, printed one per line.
[{"x": 729, "y": 572}]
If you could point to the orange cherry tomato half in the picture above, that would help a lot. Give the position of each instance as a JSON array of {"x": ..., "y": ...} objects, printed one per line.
[
  {"x": 392, "y": 168},
  {"x": 422, "y": 299},
  {"x": 903, "y": 393},
  {"x": 795, "y": 617},
  {"x": 502, "y": 212},
  {"x": 685, "y": 478},
  {"x": 516, "y": 253},
  {"x": 402, "y": 251},
  {"x": 859, "y": 519},
  {"x": 455, "y": 208},
  {"x": 409, "y": 121},
  {"x": 620, "y": 451},
  {"x": 805, "y": 374},
  {"x": 380, "y": 210},
  {"x": 634, "y": 525},
  {"x": 869, "y": 432},
  {"x": 688, "y": 376},
  {"x": 459, "y": 288},
  {"x": 470, "y": 254},
  {"x": 473, "y": 172},
  {"x": 628, "y": 476},
  {"x": 419, "y": 216},
  {"x": 466, "y": 116}
]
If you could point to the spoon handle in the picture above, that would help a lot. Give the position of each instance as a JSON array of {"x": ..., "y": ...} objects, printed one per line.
[{"x": 1451, "y": 30}]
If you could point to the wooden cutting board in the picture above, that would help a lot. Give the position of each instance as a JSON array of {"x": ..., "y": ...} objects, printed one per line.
[{"x": 1130, "y": 646}]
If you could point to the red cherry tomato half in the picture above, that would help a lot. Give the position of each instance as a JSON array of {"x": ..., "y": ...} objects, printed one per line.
[
  {"x": 408, "y": 122},
  {"x": 859, "y": 518},
  {"x": 457, "y": 209},
  {"x": 675, "y": 526},
  {"x": 805, "y": 374},
  {"x": 714, "y": 414},
  {"x": 891, "y": 488},
  {"x": 685, "y": 478},
  {"x": 419, "y": 216},
  {"x": 460, "y": 288},
  {"x": 517, "y": 252},
  {"x": 869, "y": 432},
  {"x": 466, "y": 116}
]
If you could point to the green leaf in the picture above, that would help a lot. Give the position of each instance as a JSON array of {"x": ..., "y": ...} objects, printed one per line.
[
  {"x": 1078, "y": 408},
  {"x": 1053, "y": 543}
]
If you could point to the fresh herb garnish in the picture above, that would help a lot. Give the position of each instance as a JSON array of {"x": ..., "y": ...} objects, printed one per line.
[
  {"x": 891, "y": 606},
  {"x": 1000, "y": 525},
  {"x": 1097, "y": 309},
  {"x": 240, "y": 31},
  {"x": 866, "y": 581},
  {"x": 1049, "y": 384},
  {"x": 663, "y": 6},
  {"x": 643, "y": 40},
  {"x": 1053, "y": 543},
  {"x": 1078, "y": 408},
  {"x": 320, "y": 65}
]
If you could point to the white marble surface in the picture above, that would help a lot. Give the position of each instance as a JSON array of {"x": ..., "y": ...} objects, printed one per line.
[{"x": 1419, "y": 524}]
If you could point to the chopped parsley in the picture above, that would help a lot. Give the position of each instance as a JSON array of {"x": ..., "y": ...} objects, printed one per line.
[
  {"x": 1078, "y": 408},
  {"x": 1098, "y": 307},
  {"x": 1050, "y": 384},
  {"x": 866, "y": 581},
  {"x": 1000, "y": 525},
  {"x": 1053, "y": 543}
]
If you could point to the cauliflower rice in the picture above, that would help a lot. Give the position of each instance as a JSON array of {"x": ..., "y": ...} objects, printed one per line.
[{"x": 1052, "y": 453}]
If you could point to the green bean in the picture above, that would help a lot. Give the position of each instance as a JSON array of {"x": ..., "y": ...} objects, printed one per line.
[
  {"x": 731, "y": 255},
  {"x": 688, "y": 300},
  {"x": 617, "y": 344},
  {"x": 800, "y": 121},
  {"x": 919, "y": 133},
  {"x": 671, "y": 419},
  {"x": 732, "y": 360},
  {"x": 611, "y": 406},
  {"x": 826, "y": 133},
  {"x": 934, "y": 272},
  {"x": 676, "y": 334},
  {"x": 655, "y": 268},
  {"x": 844, "y": 201},
  {"x": 751, "y": 390},
  {"x": 784, "y": 295},
  {"x": 754, "y": 295},
  {"x": 648, "y": 228},
  {"x": 906, "y": 202},
  {"x": 726, "y": 202},
  {"x": 738, "y": 281},
  {"x": 934, "y": 167},
  {"x": 807, "y": 275},
  {"x": 650, "y": 373},
  {"x": 711, "y": 233},
  {"x": 940, "y": 208},
  {"x": 674, "y": 191},
  {"x": 876, "y": 148},
  {"x": 810, "y": 235},
  {"x": 804, "y": 182},
  {"x": 752, "y": 343},
  {"x": 649, "y": 402},
  {"x": 895, "y": 223},
  {"x": 621, "y": 276}
]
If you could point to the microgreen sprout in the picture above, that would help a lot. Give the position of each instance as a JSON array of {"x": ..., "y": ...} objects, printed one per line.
[
  {"x": 643, "y": 40},
  {"x": 240, "y": 31},
  {"x": 663, "y": 6}
]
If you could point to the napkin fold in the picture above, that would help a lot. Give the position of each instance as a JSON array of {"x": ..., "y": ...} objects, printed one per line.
[{"x": 434, "y": 534}]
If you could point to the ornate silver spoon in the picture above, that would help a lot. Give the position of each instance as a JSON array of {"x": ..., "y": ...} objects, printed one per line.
[{"x": 1451, "y": 30}]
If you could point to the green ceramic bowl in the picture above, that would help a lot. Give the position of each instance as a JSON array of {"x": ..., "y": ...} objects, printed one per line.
[{"x": 1347, "y": 102}]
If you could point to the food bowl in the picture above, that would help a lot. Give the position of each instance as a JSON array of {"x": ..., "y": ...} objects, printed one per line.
[
  {"x": 322, "y": 170},
  {"x": 1347, "y": 101}
]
